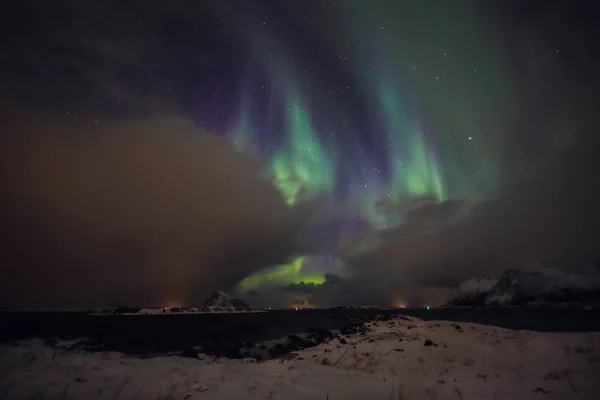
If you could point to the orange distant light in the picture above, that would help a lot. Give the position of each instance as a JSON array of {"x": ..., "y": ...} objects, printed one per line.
[
  {"x": 174, "y": 304},
  {"x": 301, "y": 306},
  {"x": 399, "y": 304}
]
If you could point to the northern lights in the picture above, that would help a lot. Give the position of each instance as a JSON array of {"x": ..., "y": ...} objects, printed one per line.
[
  {"x": 302, "y": 168},
  {"x": 408, "y": 137},
  {"x": 305, "y": 163}
]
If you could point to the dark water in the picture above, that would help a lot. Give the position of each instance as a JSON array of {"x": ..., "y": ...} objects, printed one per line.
[{"x": 162, "y": 333}]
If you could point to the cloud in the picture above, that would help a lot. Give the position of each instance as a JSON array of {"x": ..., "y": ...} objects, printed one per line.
[
  {"x": 132, "y": 212},
  {"x": 92, "y": 208},
  {"x": 300, "y": 287},
  {"x": 549, "y": 216}
]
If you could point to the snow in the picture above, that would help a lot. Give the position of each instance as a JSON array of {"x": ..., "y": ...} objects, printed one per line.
[
  {"x": 218, "y": 303},
  {"x": 521, "y": 286},
  {"x": 477, "y": 284},
  {"x": 390, "y": 361},
  {"x": 576, "y": 284},
  {"x": 473, "y": 287},
  {"x": 223, "y": 302}
]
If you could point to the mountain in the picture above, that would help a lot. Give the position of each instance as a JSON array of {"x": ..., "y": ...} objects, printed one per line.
[
  {"x": 518, "y": 287},
  {"x": 579, "y": 284},
  {"x": 472, "y": 291},
  {"x": 223, "y": 302}
]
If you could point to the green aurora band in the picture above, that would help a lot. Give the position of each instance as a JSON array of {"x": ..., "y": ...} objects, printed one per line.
[
  {"x": 303, "y": 166},
  {"x": 300, "y": 169},
  {"x": 418, "y": 175}
]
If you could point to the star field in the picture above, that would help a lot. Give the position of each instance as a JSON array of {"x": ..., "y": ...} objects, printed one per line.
[{"x": 361, "y": 104}]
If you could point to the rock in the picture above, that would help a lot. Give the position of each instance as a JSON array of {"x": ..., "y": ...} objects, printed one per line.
[
  {"x": 354, "y": 328},
  {"x": 343, "y": 341},
  {"x": 295, "y": 342},
  {"x": 319, "y": 335},
  {"x": 189, "y": 353},
  {"x": 428, "y": 343},
  {"x": 126, "y": 310},
  {"x": 227, "y": 350},
  {"x": 278, "y": 350}
]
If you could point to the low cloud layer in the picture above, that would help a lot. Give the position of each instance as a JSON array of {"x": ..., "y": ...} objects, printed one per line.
[{"x": 137, "y": 212}]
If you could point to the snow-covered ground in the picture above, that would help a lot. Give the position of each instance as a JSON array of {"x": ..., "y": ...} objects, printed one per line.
[{"x": 403, "y": 358}]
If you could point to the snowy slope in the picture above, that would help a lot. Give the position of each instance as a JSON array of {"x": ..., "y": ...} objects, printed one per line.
[
  {"x": 517, "y": 287},
  {"x": 470, "y": 290},
  {"x": 579, "y": 284},
  {"x": 404, "y": 358},
  {"x": 223, "y": 302}
]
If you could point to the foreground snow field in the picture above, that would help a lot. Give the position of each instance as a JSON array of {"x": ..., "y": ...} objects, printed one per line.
[{"x": 402, "y": 358}]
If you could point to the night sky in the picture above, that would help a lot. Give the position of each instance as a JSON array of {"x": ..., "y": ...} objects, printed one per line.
[{"x": 411, "y": 144}]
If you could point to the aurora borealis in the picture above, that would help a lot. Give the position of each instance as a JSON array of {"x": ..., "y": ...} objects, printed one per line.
[
  {"x": 391, "y": 125},
  {"x": 320, "y": 149}
]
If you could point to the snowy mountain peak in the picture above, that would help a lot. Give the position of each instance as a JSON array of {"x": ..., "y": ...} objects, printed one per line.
[
  {"x": 223, "y": 295},
  {"x": 577, "y": 283},
  {"x": 477, "y": 284},
  {"x": 223, "y": 302},
  {"x": 470, "y": 289}
]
